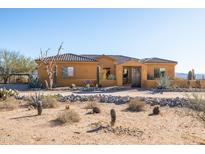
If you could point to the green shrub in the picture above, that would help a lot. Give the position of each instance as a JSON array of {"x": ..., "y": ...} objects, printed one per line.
[
  {"x": 34, "y": 83},
  {"x": 164, "y": 82},
  {"x": 69, "y": 116},
  {"x": 111, "y": 77},
  {"x": 4, "y": 93}
]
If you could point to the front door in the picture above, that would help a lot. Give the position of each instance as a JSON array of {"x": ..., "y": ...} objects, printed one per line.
[{"x": 136, "y": 77}]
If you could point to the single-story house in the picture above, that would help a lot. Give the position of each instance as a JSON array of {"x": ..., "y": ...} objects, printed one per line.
[{"x": 106, "y": 70}]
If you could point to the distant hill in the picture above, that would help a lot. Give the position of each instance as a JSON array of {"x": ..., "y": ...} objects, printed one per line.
[{"x": 184, "y": 75}]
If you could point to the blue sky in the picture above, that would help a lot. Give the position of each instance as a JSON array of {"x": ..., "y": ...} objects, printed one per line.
[{"x": 176, "y": 34}]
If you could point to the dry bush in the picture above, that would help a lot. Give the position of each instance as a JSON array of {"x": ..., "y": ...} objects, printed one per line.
[
  {"x": 9, "y": 104},
  {"x": 136, "y": 105},
  {"x": 69, "y": 116},
  {"x": 91, "y": 105},
  {"x": 196, "y": 102},
  {"x": 50, "y": 102}
]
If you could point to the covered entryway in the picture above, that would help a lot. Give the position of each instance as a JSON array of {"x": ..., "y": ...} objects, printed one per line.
[
  {"x": 131, "y": 73},
  {"x": 132, "y": 76}
]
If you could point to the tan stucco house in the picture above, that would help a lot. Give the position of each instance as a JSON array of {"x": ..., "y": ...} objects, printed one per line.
[{"x": 107, "y": 70}]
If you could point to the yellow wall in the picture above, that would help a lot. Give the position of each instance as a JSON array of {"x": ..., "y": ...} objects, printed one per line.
[
  {"x": 108, "y": 83},
  {"x": 106, "y": 62},
  {"x": 130, "y": 63},
  {"x": 88, "y": 71},
  {"x": 177, "y": 84},
  {"x": 82, "y": 71},
  {"x": 170, "y": 69}
]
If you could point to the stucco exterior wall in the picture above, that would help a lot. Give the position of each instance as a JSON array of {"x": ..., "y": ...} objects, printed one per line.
[
  {"x": 131, "y": 63},
  {"x": 177, "y": 84},
  {"x": 88, "y": 71},
  {"x": 106, "y": 62},
  {"x": 108, "y": 83},
  {"x": 170, "y": 69},
  {"x": 82, "y": 71}
]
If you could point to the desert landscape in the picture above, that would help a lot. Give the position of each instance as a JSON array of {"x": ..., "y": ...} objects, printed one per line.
[{"x": 78, "y": 122}]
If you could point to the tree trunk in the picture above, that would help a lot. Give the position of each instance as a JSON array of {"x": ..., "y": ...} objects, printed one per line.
[
  {"x": 46, "y": 82},
  {"x": 5, "y": 79}
]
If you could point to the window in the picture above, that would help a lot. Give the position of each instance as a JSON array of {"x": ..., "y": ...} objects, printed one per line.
[
  {"x": 68, "y": 71},
  {"x": 159, "y": 72},
  {"x": 162, "y": 72}
]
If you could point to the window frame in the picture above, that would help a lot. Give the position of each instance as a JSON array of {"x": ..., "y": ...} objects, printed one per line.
[
  {"x": 160, "y": 70},
  {"x": 66, "y": 71},
  {"x": 72, "y": 75}
]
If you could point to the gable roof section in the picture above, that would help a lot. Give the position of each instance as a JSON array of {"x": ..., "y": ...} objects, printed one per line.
[
  {"x": 71, "y": 58},
  {"x": 157, "y": 60},
  {"x": 93, "y": 58},
  {"x": 119, "y": 58}
]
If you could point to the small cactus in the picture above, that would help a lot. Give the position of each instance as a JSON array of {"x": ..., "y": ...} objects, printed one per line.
[
  {"x": 156, "y": 110},
  {"x": 36, "y": 100},
  {"x": 113, "y": 117},
  {"x": 39, "y": 107},
  {"x": 96, "y": 110},
  {"x": 67, "y": 107}
]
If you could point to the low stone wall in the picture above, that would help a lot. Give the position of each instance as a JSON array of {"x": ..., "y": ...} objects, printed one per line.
[
  {"x": 171, "y": 102},
  {"x": 77, "y": 82},
  {"x": 149, "y": 84},
  {"x": 108, "y": 83},
  {"x": 118, "y": 100},
  {"x": 177, "y": 84}
]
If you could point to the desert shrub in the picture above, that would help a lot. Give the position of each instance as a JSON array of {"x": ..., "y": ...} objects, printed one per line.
[
  {"x": 69, "y": 116},
  {"x": 50, "y": 101},
  {"x": 111, "y": 77},
  {"x": 136, "y": 105},
  {"x": 196, "y": 102},
  {"x": 9, "y": 104},
  {"x": 73, "y": 85},
  {"x": 88, "y": 83},
  {"x": 198, "y": 84},
  {"x": 34, "y": 83},
  {"x": 4, "y": 93},
  {"x": 91, "y": 105},
  {"x": 164, "y": 82}
]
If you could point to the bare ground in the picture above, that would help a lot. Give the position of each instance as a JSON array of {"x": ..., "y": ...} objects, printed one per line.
[{"x": 172, "y": 126}]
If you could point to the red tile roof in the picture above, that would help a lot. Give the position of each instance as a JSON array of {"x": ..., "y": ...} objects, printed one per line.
[{"x": 70, "y": 57}]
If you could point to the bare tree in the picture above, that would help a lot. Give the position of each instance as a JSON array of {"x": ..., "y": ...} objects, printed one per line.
[{"x": 50, "y": 64}]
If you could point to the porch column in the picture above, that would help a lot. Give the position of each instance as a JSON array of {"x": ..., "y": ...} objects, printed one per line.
[
  {"x": 143, "y": 75},
  {"x": 119, "y": 71}
]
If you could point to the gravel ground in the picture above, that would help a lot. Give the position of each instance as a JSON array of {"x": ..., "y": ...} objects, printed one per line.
[
  {"x": 131, "y": 93},
  {"x": 172, "y": 126}
]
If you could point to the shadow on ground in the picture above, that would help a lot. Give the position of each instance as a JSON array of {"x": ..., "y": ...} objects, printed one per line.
[{"x": 21, "y": 117}]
